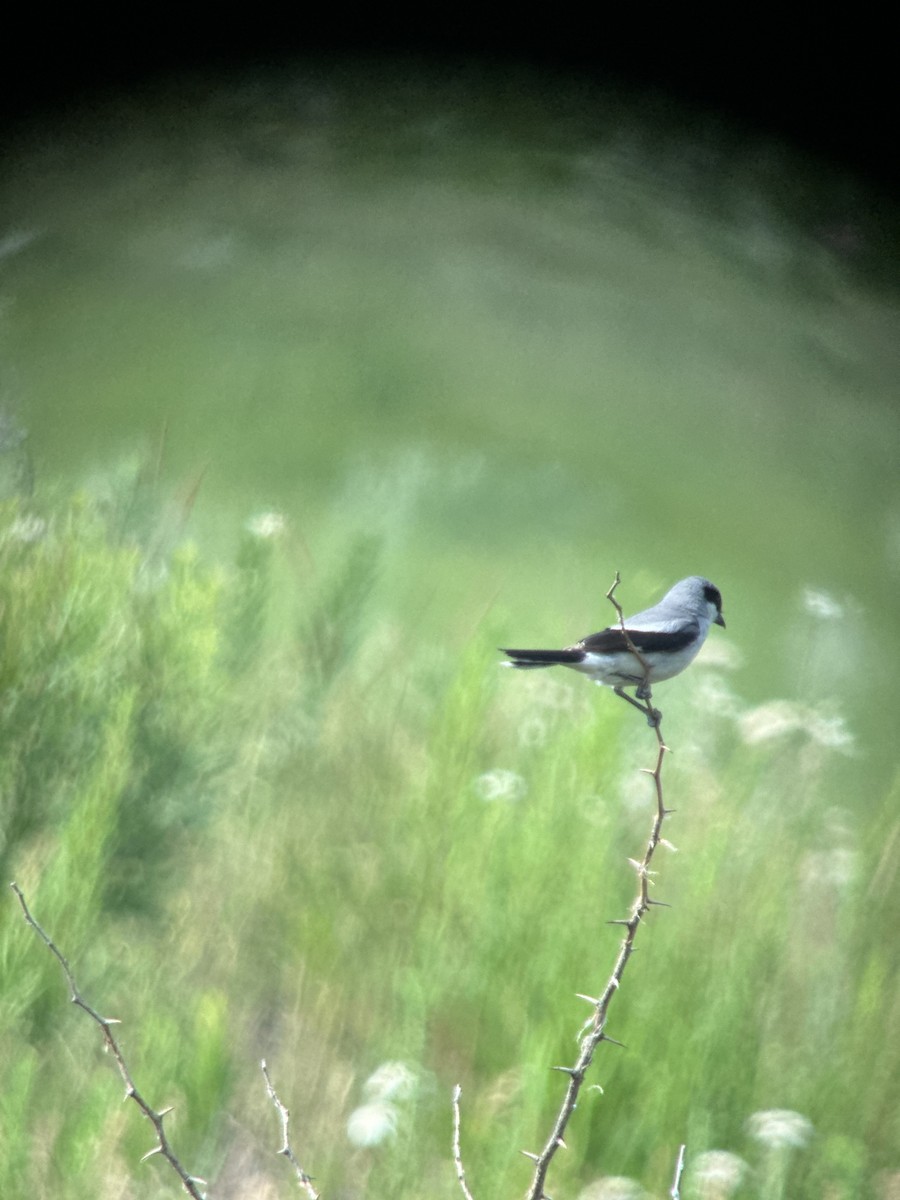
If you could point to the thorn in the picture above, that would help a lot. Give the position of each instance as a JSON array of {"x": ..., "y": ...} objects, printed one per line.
[
  {"x": 561, "y": 1142},
  {"x": 165, "y": 1112},
  {"x": 669, "y": 812},
  {"x": 658, "y": 903},
  {"x": 619, "y": 921},
  {"x": 528, "y": 1154},
  {"x": 647, "y": 771},
  {"x": 198, "y": 1179},
  {"x": 590, "y": 999},
  {"x": 639, "y": 867},
  {"x": 668, "y": 845},
  {"x": 129, "y": 1092},
  {"x": 110, "y": 1021},
  {"x": 606, "y": 1038},
  {"x": 150, "y": 1153},
  {"x": 566, "y": 1071}
]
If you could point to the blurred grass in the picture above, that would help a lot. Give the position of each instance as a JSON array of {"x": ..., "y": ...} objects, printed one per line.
[
  {"x": 501, "y": 322},
  {"x": 262, "y": 817}
]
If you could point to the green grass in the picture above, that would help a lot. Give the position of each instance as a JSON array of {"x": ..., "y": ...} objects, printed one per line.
[{"x": 262, "y": 820}]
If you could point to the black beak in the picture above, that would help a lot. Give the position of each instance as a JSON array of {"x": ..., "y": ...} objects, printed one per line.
[{"x": 720, "y": 620}]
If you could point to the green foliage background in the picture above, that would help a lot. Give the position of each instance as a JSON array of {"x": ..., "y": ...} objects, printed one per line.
[
  {"x": 274, "y": 836},
  {"x": 433, "y": 354}
]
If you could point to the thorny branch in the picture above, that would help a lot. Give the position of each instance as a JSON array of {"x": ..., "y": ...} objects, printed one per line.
[
  {"x": 188, "y": 1182},
  {"x": 595, "y": 1030},
  {"x": 284, "y": 1117}
]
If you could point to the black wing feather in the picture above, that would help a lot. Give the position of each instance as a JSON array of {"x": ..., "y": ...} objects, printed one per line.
[{"x": 612, "y": 640}]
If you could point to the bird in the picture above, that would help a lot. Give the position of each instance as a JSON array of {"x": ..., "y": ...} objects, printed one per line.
[{"x": 667, "y": 638}]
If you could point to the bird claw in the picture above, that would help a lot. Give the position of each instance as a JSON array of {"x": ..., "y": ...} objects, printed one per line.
[{"x": 654, "y": 716}]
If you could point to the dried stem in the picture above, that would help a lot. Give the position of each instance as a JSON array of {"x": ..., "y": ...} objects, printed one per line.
[
  {"x": 284, "y": 1117},
  {"x": 675, "y": 1190},
  {"x": 188, "y": 1182},
  {"x": 457, "y": 1155},
  {"x": 596, "y": 1026}
]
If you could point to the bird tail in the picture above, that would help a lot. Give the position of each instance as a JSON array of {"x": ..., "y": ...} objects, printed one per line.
[{"x": 530, "y": 660}]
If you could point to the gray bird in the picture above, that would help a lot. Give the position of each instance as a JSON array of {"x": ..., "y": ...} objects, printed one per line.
[{"x": 668, "y": 637}]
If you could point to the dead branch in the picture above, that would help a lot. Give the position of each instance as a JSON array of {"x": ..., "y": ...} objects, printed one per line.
[
  {"x": 457, "y": 1154},
  {"x": 284, "y": 1117},
  {"x": 675, "y": 1190},
  {"x": 190, "y": 1183},
  {"x": 596, "y": 1026}
]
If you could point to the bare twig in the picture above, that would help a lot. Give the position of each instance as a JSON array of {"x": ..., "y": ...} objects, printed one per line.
[
  {"x": 595, "y": 1031},
  {"x": 284, "y": 1117},
  {"x": 457, "y": 1155},
  {"x": 654, "y": 716},
  {"x": 188, "y": 1182},
  {"x": 675, "y": 1190}
]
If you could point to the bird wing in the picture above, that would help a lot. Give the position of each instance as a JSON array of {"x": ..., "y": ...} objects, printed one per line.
[{"x": 613, "y": 641}]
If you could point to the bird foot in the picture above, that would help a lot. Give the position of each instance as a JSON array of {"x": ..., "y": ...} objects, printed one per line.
[{"x": 653, "y": 715}]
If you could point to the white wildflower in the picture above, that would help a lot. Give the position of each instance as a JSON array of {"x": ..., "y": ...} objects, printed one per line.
[
  {"x": 768, "y": 721},
  {"x": 391, "y": 1081},
  {"x": 500, "y": 784},
  {"x": 821, "y": 604},
  {"x": 28, "y": 529},
  {"x": 778, "y": 718},
  {"x": 836, "y": 868},
  {"x": 780, "y": 1128},
  {"x": 830, "y": 731},
  {"x": 372, "y": 1124},
  {"x": 715, "y": 1174},
  {"x": 267, "y": 525}
]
